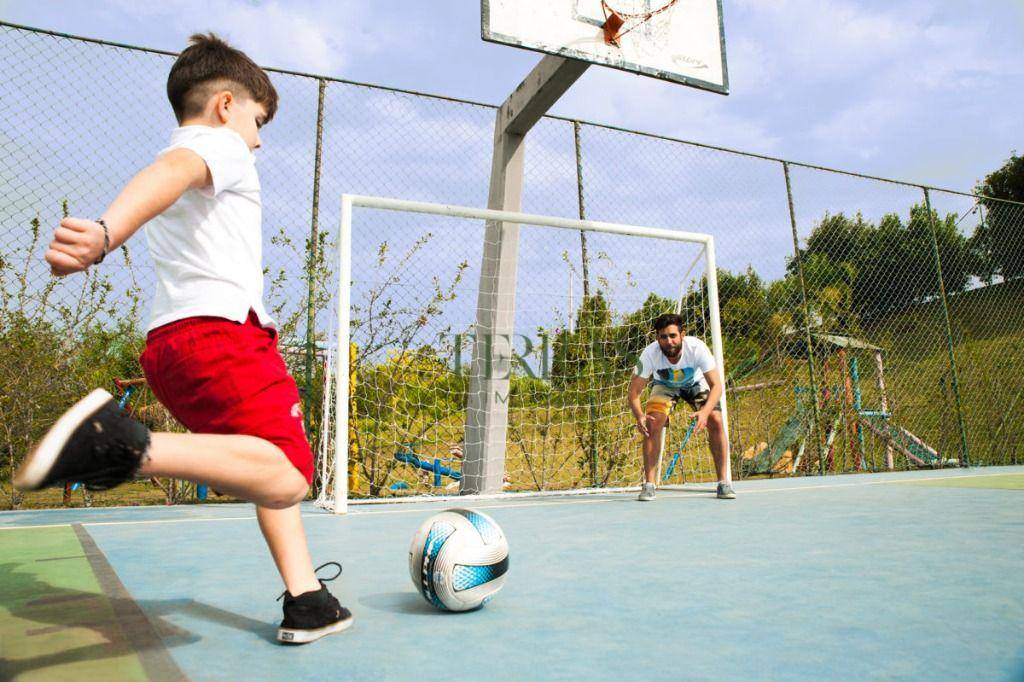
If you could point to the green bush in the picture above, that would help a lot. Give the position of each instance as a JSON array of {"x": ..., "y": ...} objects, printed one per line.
[{"x": 60, "y": 338}]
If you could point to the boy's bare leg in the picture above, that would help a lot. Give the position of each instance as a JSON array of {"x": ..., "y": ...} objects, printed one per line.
[
  {"x": 286, "y": 538},
  {"x": 247, "y": 467}
]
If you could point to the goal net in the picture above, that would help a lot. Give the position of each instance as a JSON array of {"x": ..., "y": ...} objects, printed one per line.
[{"x": 451, "y": 371}]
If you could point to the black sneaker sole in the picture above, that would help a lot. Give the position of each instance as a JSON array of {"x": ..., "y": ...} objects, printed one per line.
[
  {"x": 299, "y": 636},
  {"x": 39, "y": 462}
]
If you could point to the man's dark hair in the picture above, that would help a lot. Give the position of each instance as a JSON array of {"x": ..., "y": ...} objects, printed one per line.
[
  {"x": 208, "y": 65},
  {"x": 667, "y": 320}
]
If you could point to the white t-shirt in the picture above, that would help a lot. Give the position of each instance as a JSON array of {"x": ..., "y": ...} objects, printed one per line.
[
  {"x": 694, "y": 359},
  {"x": 207, "y": 247}
]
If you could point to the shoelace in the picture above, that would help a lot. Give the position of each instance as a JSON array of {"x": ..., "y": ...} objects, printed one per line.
[{"x": 322, "y": 580}]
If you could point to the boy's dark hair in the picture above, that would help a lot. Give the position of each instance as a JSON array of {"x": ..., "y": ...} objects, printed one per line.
[
  {"x": 667, "y": 320},
  {"x": 209, "y": 64}
]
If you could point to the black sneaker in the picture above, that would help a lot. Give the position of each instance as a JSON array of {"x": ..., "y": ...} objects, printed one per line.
[
  {"x": 94, "y": 443},
  {"x": 311, "y": 615}
]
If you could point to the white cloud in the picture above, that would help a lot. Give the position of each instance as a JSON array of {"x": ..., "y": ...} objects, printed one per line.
[
  {"x": 752, "y": 66},
  {"x": 605, "y": 95},
  {"x": 867, "y": 84},
  {"x": 298, "y": 36},
  {"x": 823, "y": 39},
  {"x": 858, "y": 127}
]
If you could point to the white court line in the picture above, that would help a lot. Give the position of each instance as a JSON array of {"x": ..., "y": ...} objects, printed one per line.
[
  {"x": 572, "y": 500},
  {"x": 149, "y": 521},
  {"x": 45, "y": 525},
  {"x": 314, "y": 515},
  {"x": 128, "y": 523}
]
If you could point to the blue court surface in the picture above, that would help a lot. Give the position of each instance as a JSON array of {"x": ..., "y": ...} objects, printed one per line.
[{"x": 916, "y": 576}]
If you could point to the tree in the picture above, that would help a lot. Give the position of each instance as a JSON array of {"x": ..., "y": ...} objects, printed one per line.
[
  {"x": 998, "y": 242},
  {"x": 635, "y": 332},
  {"x": 749, "y": 325},
  {"x": 856, "y": 271},
  {"x": 839, "y": 238}
]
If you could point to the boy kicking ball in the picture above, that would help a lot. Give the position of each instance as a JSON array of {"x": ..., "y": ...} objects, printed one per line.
[{"x": 211, "y": 352}]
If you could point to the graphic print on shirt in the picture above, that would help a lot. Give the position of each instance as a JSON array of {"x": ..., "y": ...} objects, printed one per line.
[{"x": 675, "y": 378}]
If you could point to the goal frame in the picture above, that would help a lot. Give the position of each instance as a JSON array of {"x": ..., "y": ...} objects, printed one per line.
[{"x": 342, "y": 354}]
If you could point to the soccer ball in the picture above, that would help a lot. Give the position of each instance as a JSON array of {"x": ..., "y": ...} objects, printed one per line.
[{"x": 458, "y": 559}]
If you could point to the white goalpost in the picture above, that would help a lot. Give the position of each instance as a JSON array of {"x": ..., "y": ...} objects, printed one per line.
[{"x": 396, "y": 402}]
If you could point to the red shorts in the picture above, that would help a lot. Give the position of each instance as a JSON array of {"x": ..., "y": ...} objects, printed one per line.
[{"x": 219, "y": 376}]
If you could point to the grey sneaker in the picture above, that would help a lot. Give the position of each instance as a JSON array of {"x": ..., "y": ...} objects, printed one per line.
[
  {"x": 646, "y": 492},
  {"x": 725, "y": 492}
]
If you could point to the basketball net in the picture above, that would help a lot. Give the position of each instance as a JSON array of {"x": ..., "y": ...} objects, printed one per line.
[{"x": 650, "y": 16}]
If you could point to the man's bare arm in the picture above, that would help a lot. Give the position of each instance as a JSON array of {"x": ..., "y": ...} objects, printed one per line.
[
  {"x": 714, "y": 395},
  {"x": 636, "y": 387}
]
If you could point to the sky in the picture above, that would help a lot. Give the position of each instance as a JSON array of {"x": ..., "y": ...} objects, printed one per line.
[{"x": 926, "y": 91}]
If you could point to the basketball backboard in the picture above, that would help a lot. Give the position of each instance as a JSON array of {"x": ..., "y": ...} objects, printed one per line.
[{"x": 675, "y": 40}]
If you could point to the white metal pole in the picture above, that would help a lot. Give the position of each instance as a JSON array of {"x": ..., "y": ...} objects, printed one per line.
[
  {"x": 344, "y": 361},
  {"x": 716, "y": 340},
  {"x": 386, "y": 204}
]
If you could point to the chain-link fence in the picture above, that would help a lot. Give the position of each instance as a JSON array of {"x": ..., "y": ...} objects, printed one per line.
[{"x": 868, "y": 324}]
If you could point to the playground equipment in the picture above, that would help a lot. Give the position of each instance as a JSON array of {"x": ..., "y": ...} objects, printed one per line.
[
  {"x": 916, "y": 450},
  {"x": 841, "y": 408},
  {"x": 776, "y": 456},
  {"x": 437, "y": 467}
]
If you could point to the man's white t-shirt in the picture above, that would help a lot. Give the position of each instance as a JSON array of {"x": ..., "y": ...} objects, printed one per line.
[
  {"x": 207, "y": 247},
  {"x": 694, "y": 360}
]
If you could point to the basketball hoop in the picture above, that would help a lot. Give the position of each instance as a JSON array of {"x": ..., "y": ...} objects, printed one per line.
[
  {"x": 623, "y": 16},
  {"x": 673, "y": 40}
]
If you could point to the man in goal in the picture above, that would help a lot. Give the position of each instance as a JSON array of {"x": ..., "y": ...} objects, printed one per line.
[{"x": 681, "y": 368}]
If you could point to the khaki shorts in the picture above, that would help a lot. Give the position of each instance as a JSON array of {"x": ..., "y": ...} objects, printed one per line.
[{"x": 662, "y": 398}]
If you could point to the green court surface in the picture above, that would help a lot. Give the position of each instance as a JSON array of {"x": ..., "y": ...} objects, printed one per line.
[
  {"x": 993, "y": 481},
  {"x": 817, "y": 578},
  {"x": 56, "y": 620}
]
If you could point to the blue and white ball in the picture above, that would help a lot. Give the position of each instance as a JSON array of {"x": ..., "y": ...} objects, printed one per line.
[{"x": 458, "y": 559}]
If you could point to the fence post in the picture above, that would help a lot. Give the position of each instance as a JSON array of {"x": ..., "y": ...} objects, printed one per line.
[
  {"x": 816, "y": 406},
  {"x": 311, "y": 260},
  {"x": 964, "y": 455},
  {"x": 586, "y": 300}
]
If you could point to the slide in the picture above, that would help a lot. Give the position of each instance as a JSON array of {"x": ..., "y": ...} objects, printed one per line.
[
  {"x": 764, "y": 461},
  {"x": 910, "y": 445}
]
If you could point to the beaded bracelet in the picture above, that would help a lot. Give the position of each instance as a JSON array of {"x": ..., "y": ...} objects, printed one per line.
[{"x": 106, "y": 242}]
